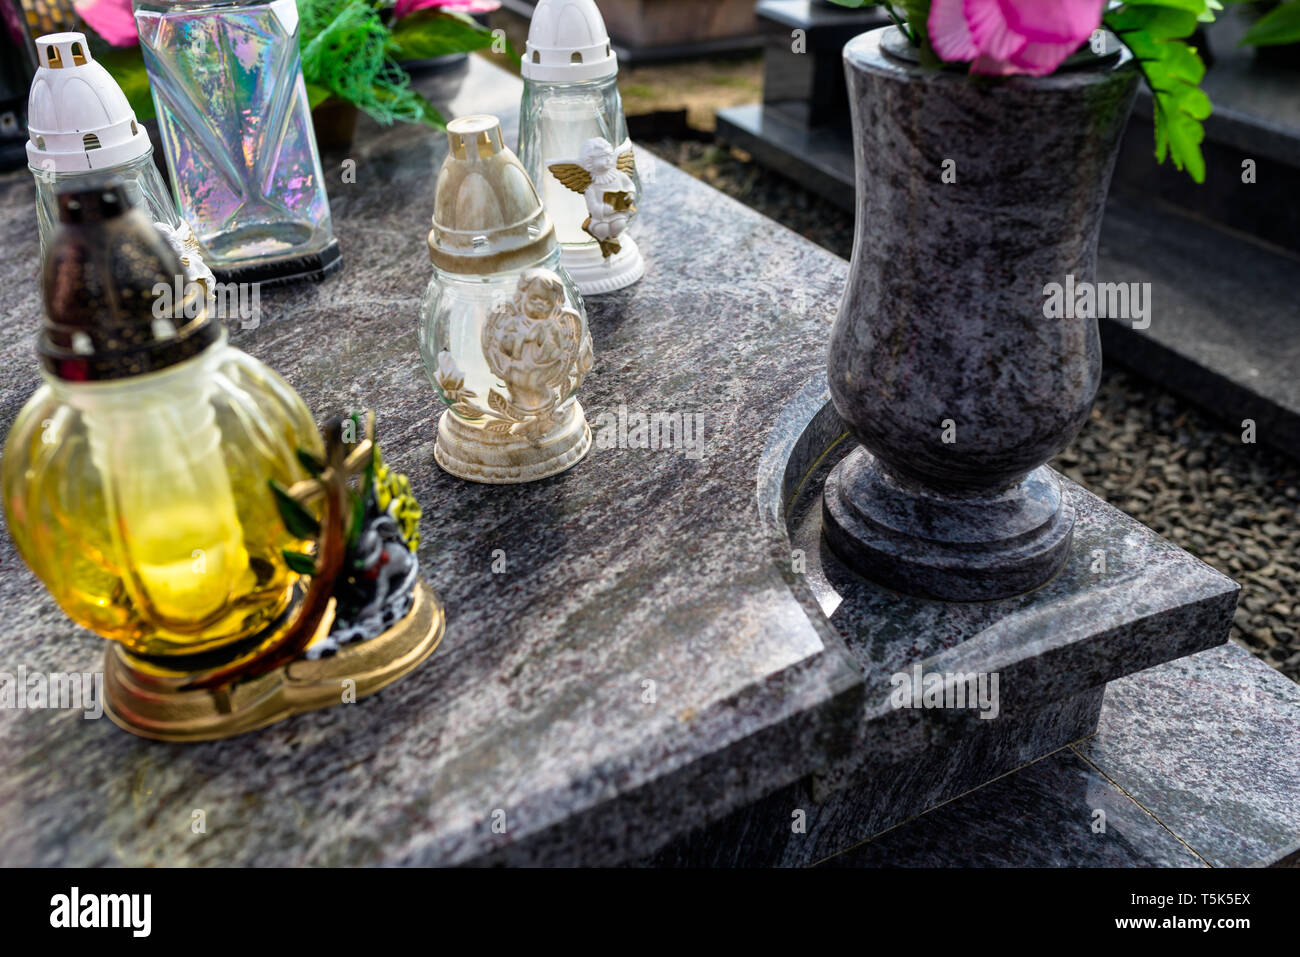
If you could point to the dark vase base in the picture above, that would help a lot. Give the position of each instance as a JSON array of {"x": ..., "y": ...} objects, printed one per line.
[
  {"x": 290, "y": 269},
  {"x": 925, "y": 543}
]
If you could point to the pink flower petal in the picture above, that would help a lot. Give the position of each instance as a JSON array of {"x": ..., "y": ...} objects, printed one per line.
[
  {"x": 989, "y": 29},
  {"x": 111, "y": 19},
  {"x": 1040, "y": 59},
  {"x": 1052, "y": 21},
  {"x": 949, "y": 34},
  {"x": 405, "y": 8}
]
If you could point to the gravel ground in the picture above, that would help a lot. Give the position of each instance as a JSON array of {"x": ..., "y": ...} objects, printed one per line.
[{"x": 1145, "y": 451}]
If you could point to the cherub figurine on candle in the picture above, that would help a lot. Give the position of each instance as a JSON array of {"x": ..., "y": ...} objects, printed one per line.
[
  {"x": 537, "y": 346},
  {"x": 605, "y": 182}
]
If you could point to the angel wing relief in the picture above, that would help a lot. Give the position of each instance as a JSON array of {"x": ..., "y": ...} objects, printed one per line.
[{"x": 604, "y": 179}]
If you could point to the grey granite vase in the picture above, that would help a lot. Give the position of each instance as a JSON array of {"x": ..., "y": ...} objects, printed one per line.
[{"x": 973, "y": 194}]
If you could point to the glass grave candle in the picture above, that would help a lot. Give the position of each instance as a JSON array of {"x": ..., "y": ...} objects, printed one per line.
[
  {"x": 573, "y": 143},
  {"x": 237, "y": 133},
  {"x": 175, "y": 496},
  {"x": 503, "y": 332},
  {"x": 135, "y": 479},
  {"x": 82, "y": 134}
]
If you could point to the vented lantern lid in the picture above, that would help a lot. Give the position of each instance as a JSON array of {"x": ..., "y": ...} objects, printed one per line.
[
  {"x": 487, "y": 216},
  {"x": 568, "y": 43},
  {"x": 78, "y": 118}
]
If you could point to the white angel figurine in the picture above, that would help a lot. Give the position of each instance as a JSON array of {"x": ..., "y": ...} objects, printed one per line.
[
  {"x": 605, "y": 183},
  {"x": 186, "y": 245}
]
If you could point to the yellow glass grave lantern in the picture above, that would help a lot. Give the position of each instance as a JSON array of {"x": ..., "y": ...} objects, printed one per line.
[{"x": 175, "y": 496}]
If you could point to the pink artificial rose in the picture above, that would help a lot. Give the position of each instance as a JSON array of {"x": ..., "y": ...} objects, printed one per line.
[
  {"x": 405, "y": 8},
  {"x": 1011, "y": 36},
  {"x": 111, "y": 19}
]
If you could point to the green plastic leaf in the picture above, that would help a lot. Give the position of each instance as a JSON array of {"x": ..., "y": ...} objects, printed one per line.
[
  {"x": 430, "y": 114},
  {"x": 300, "y": 563},
  {"x": 313, "y": 465},
  {"x": 126, "y": 66},
  {"x": 297, "y": 519},
  {"x": 407, "y": 105},
  {"x": 1279, "y": 26},
  {"x": 316, "y": 95},
  {"x": 1154, "y": 33},
  {"x": 428, "y": 33},
  {"x": 358, "y": 516},
  {"x": 1187, "y": 6}
]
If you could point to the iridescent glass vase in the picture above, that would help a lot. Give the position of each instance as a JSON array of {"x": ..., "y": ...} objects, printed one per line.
[{"x": 237, "y": 132}]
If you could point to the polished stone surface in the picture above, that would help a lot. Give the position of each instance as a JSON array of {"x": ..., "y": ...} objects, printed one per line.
[
  {"x": 1222, "y": 331},
  {"x": 1210, "y": 745},
  {"x": 1221, "y": 337},
  {"x": 1124, "y": 601},
  {"x": 820, "y": 160},
  {"x": 956, "y": 548},
  {"x": 1195, "y": 762},
  {"x": 802, "y": 126},
  {"x": 638, "y": 668},
  {"x": 803, "y": 71},
  {"x": 806, "y": 822},
  {"x": 1042, "y": 816}
]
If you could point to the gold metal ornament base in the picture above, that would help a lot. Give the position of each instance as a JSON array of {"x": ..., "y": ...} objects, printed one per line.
[
  {"x": 471, "y": 451},
  {"x": 153, "y": 702}
]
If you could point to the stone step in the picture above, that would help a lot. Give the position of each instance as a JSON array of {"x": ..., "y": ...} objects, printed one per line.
[
  {"x": 1194, "y": 764},
  {"x": 1125, "y": 602}
]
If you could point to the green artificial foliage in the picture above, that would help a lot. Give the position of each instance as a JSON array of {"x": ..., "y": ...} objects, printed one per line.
[
  {"x": 1153, "y": 30},
  {"x": 345, "y": 51},
  {"x": 297, "y": 518},
  {"x": 430, "y": 33},
  {"x": 1279, "y": 25}
]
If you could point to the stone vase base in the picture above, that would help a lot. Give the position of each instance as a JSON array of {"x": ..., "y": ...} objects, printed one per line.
[
  {"x": 468, "y": 450},
  {"x": 925, "y": 543},
  {"x": 595, "y": 274}
]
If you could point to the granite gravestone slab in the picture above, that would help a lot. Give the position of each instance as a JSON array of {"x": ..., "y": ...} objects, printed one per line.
[{"x": 643, "y": 665}]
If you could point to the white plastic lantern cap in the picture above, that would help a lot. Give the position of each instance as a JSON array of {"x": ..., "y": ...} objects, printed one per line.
[
  {"x": 568, "y": 43},
  {"x": 78, "y": 118}
]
